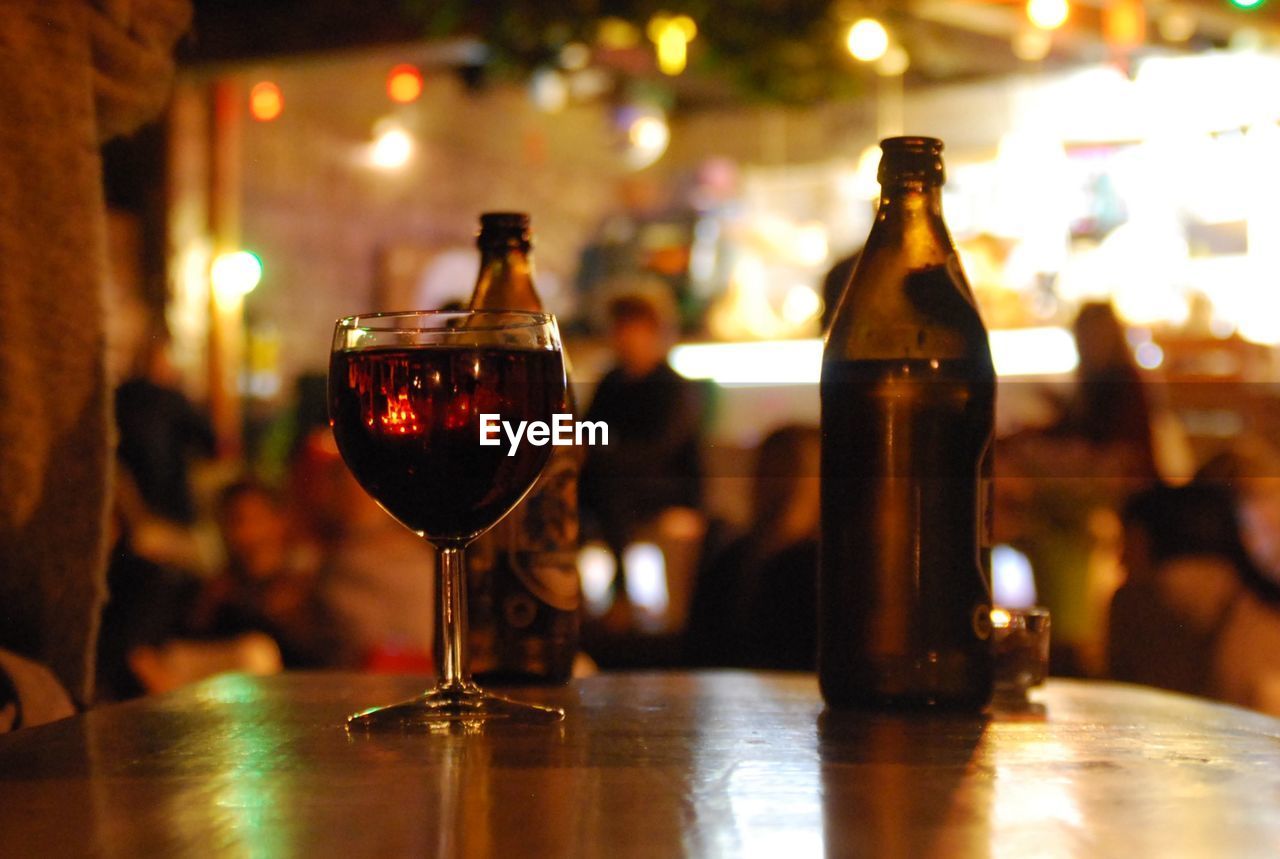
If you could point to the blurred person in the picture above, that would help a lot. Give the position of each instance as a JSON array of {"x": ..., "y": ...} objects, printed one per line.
[
  {"x": 161, "y": 432},
  {"x": 269, "y": 582},
  {"x": 651, "y": 463},
  {"x": 149, "y": 600},
  {"x": 147, "y": 640},
  {"x": 376, "y": 577},
  {"x": 77, "y": 73},
  {"x": 1110, "y": 405},
  {"x": 1251, "y": 470},
  {"x": 1058, "y": 488},
  {"x": 1181, "y": 560},
  {"x": 1194, "y": 614},
  {"x": 755, "y": 603}
]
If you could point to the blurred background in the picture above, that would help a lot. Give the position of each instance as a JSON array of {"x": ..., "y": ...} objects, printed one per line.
[{"x": 323, "y": 158}]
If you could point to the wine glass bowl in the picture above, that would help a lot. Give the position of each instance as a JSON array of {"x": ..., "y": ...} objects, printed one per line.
[{"x": 408, "y": 393}]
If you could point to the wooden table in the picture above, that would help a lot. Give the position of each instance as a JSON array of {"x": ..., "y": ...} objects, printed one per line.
[{"x": 646, "y": 765}]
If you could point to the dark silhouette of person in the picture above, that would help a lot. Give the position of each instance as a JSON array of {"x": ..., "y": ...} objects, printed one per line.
[
  {"x": 1186, "y": 566},
  {"x": 161, "y": 431},
  {"x": 1110, "y": 405},
  {"x": 651, "y": 462},
  {"x": 755, "y": 602},
  {"x": 269, "y": 582}
]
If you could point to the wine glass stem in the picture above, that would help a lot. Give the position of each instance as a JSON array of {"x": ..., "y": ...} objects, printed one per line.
[{"x": 452, "y": 666}]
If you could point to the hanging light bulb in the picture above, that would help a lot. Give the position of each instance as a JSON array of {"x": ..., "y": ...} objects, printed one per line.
[{"x": 867, "y": 40}]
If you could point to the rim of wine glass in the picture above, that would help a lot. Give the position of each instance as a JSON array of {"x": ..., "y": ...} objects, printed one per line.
[{"x": 531, "y": 319}]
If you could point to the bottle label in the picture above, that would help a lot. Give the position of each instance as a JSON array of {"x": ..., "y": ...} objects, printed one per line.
[{"x": 537, "y": 540}]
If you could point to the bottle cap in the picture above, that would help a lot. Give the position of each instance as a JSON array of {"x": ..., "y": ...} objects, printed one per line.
[
  {"x": 911, "y": 158},
  {"x": 503, "y": 228}
]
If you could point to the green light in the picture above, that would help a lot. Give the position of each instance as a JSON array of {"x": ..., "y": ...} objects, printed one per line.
[{"x": 1247, "y": 4}]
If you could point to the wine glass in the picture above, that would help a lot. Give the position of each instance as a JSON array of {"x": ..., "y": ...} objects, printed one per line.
[{"x": 407, "y": 392}]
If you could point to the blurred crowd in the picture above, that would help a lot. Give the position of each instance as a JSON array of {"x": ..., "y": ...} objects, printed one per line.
[
  {"x": 306, "y": 572},
  {"x": 1149, "y": 577}
]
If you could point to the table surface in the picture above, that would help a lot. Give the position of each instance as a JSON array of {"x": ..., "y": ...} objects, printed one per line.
[{"x": 699, "y": 764}]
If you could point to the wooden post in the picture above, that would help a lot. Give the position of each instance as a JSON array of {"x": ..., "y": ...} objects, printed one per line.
[{"x": 226, "y": 317}]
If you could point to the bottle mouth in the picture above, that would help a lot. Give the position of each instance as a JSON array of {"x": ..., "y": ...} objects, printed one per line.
[
  {"x": 907, "y": 159},
  {"x": 503, "y": 229}
]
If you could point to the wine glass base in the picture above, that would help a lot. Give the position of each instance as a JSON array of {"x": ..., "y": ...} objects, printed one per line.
[{"x": 465, "y": 705}]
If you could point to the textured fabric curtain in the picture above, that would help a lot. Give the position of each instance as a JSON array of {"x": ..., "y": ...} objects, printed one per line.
[{"x": 72, "y": 74}]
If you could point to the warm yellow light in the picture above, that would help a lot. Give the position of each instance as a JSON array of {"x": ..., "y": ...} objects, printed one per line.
[
  {"x": 404, "y": 83},
  {"x": 809, "y": 244},
  {"x": 895, "y": 61},
  {"x": 1017, "y": 352},
  {"x": 266, "y": 102},
  {"x": 234, "y": 275},
  {"x": 1031, "y": 44},
  {"x": 1048, "y": 14},
  {"x": 649, "y": 133},
  {"x": 574, "y": 56},
  {"x": 867, "y": 40},
  {"x": 1124, "y": 23},
  {"x": 391, "y": 149},
  {"x": 671, "y": 36},
  {"x": 617, "y": 34},
  {"x": 1176, "y": 24},
  {"x": 801, "y": 304}
]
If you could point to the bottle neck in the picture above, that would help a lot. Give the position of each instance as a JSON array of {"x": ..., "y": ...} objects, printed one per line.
[
  {"x": 909, "y": 221},
  {"x": 505, "y": 281}
]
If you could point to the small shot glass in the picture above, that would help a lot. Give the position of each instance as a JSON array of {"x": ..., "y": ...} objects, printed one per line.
[{"x": 1021, "y": 650}]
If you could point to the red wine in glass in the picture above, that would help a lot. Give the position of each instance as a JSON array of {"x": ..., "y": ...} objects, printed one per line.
[
  {"x": 408, "y": 424},
  {"x": 407, "y": 393}
]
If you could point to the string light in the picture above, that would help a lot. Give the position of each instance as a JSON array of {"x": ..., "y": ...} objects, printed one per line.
[{"x": 868, "y": 40}]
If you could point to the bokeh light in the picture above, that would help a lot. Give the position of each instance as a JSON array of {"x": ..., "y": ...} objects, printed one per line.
[
  {"x": 234, "y": 275},
  {"x": 404, "y": 83},
  {"x": 1048, "y": 14},
  {"x": 266, "y": 101},
  {"x": 867, "y": 40}
]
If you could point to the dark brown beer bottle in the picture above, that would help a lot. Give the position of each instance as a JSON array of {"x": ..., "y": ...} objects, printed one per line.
[
  {"x": 908, "y": 405},
  {"x": 523, "y": 586}
]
